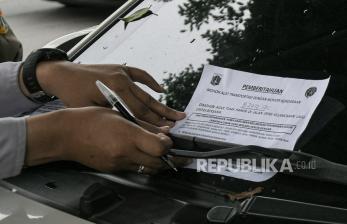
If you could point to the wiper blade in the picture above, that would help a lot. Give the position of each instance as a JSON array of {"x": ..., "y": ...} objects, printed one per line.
[{"x": 324, "y": 170}]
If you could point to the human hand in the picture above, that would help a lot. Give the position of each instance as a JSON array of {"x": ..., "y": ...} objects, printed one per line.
[
  {"x": 75, "y": 85},
  {"x": 98, "y": 138}
]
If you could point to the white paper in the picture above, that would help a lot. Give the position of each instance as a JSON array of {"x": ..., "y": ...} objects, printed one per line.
[{"x": 250, "y": 109}]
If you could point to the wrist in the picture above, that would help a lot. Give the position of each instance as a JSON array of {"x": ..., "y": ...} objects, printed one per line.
[
  {"x": 49, "y": 75},
  {"x": 34, "y": 64},
  {"x": 44, "y": 140},
  {"x": 45, "y": 75}
]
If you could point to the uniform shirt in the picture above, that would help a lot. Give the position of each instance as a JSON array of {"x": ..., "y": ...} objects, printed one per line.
[{"x": 12, "y": 128}]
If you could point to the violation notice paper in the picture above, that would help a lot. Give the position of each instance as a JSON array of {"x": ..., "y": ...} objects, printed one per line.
[{"x": 249, "y": 109}]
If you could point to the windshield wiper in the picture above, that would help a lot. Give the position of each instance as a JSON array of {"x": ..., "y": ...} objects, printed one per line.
[{"x": 324, "y": 170}]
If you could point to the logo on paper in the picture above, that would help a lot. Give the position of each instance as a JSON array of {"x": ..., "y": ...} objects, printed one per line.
[
  {"x": 216, "y": 79},
  {"x": 310, "y": 92}
]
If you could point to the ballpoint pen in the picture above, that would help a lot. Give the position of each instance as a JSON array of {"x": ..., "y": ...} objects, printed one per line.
[{"x": 118, "y": 103}]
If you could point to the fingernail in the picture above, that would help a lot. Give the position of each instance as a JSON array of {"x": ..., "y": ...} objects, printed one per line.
[
  {"x": 163, "y": 137},
  {"x": 182, "y": 114},
  {"x": 165, "y": 129},
  {"x": 170, "y": 124}
]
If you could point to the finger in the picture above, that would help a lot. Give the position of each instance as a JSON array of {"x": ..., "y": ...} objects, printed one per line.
[
  {"x": 143, "y": 112},
  {"x": 153, "y": 144},
  {"x": 165, "y": 130},
  {"x": 156, "y": 106},
  {"x": 149, "y": 127},
  {"x": 141, "y": 158},
  {"x": 139, "y": 75},
  {"x": 152, "y": 128}
]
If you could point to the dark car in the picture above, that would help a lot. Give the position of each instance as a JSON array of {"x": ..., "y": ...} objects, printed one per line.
[{"x": 300, "y": 39}]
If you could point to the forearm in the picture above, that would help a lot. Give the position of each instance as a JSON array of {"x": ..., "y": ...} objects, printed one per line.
[
  {"x": 44, "y": 143},
  {"x": 30, "y": 141}
]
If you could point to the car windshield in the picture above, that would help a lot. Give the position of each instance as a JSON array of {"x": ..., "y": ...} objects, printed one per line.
[{"x": 301, "y": 39}]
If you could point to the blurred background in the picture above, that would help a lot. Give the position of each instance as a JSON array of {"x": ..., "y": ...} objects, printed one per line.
[{"x": 37, "y": 22}]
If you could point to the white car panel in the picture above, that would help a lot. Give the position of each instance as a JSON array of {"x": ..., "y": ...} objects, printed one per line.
[{"x": 17, "y": 209}]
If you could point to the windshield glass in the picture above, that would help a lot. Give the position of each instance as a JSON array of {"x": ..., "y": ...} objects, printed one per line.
[{"x": 301, "y": 39}]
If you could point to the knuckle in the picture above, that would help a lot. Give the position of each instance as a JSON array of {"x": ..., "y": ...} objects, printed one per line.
[
  {"x": 125, "y": 69},
  {"x": 166, "y": 110},
  {"x": 160, "y": 150},
  {"x": 119, "y": 81},
  {"x": 122, "y": 76}
]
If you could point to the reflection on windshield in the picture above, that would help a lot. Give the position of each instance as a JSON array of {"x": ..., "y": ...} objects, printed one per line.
[
  {"x": 289, "y": 38},
  {"x": 302, "y": 39}
]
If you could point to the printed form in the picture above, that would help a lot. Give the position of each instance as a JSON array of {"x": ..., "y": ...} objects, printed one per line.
[{"x": 249, "y": 109}]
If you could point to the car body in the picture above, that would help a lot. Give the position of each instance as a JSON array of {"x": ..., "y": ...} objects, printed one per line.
[{"x": 301, "y": 39}]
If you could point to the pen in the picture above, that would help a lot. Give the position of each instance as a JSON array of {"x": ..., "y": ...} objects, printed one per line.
[{"x": 119, "y": 104}]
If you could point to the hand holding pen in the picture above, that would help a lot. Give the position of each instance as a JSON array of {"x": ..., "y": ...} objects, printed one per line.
[{"x": 117, "y": 103}]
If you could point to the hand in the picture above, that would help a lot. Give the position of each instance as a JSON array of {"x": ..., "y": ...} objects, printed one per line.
[
  {"x": 75, "y": 85},
  {"x": 96, "y": 137}
]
